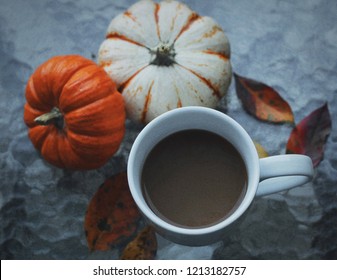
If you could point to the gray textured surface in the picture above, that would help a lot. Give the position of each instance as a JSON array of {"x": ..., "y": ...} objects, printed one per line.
[{"x": 290, "y": 45}]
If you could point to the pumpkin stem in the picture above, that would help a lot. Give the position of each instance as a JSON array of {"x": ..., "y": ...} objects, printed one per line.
[
  {"x": 54, "y": 116},
  {"x": 163, "y": 55}
]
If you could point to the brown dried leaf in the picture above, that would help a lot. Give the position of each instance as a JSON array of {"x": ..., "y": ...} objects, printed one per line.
[
  {"x": 262, "y": 101},
  {"x": 112, "y": 214},
  {"x": 143, "y": 247}
]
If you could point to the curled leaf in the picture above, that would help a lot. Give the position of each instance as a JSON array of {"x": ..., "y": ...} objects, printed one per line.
[
  {"x": 112, "y": 214},
  {"x": 143, "y": 247},
  {"x": 310, "y": 135},
  {"x": 260, "y": 150},
  {"x": 262, "y": 101}
]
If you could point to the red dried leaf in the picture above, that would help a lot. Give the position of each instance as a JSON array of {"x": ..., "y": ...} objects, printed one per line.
[
  {"x": 143, "y": 247},
  {"x": 262, "y": 101},
  {"x": 112, "y": 214},
  {"x": 310, "y": 135}
]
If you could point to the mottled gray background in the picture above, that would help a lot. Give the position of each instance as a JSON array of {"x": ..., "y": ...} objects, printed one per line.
[{"x": 290, "y": 45}]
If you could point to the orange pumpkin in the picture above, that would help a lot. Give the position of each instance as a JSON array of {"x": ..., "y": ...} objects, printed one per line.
[{"x": 75, "y": 115}]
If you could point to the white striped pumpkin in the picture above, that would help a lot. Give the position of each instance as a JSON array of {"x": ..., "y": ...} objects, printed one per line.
[{"x": 164, "y": 56}]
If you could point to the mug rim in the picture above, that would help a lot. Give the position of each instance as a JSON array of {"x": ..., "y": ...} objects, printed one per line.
[{"x": 253, "y": 169}]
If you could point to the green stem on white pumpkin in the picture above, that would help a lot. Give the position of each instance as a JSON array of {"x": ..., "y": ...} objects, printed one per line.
[
  {"x": 163, "y": 54},
  {"x": 164, "y": 49},
  {"x": 54, "y": 116}
]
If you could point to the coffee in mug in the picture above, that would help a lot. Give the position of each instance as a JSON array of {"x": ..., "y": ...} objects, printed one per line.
[{"x": 194, "y": 178}]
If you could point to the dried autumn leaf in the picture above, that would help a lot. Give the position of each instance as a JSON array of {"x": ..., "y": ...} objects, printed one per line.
[
  {"x": 143, "y": 247},
  {"x": 112, "y": 214},
  {"x": 262, "y": 101},
  {"x": 260, "y": 150},
  {"x": 310, "y": 135}
]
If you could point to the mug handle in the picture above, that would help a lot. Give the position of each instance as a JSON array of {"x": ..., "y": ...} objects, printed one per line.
[{"x": 282, "y": 172}]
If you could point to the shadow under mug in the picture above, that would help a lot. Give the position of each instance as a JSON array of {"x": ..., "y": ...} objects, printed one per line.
[{"x": 265, "y": 176}]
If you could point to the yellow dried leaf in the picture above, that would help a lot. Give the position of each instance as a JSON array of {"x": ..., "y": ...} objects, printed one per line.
[{"x": 260, "y": 150}]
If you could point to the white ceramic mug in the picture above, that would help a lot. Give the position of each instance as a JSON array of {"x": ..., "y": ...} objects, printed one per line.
[{"x": 265, "y": 176}]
